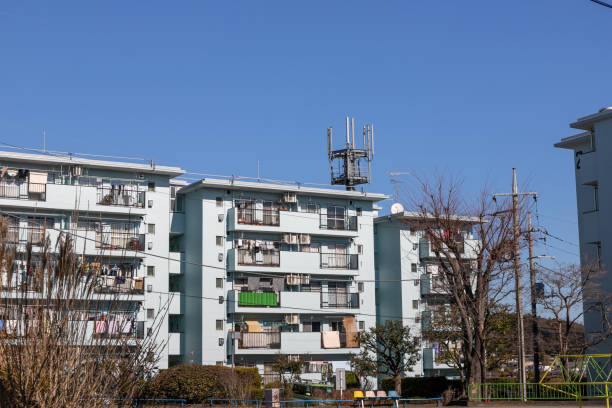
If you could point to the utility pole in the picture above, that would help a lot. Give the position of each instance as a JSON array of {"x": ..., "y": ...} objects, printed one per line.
[
  {"x": 535, "y": 330},
  {"x": 518, "y": 277}
]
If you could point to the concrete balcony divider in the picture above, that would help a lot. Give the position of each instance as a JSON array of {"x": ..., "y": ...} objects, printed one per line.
[{"x": 176, "y": 263}]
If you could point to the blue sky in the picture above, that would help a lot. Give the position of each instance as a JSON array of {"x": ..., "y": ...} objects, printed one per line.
[{"x": 473, "y": 88}]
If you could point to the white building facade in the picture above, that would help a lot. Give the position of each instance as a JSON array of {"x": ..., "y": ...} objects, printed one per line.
[
  {"x": 408, "y": 287},
  {"x": 118, "y": 214},
  {"x": 273, "y": 269},
  {"x": 593, "y": 169}
]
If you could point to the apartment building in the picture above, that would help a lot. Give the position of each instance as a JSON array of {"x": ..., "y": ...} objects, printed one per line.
[
  {"x": 270, "y": 269},
  {"x": 408, "y": 286},
  {"x": 118, "y": 214},
  {"x": 592, "y": 149}
]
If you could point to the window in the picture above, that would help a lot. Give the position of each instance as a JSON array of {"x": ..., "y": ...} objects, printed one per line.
[
  {"x": 219, "y": 240},
  {"x": 359, "y": 211},
  {"x": 415, "y": 246},
  {"x": 151, "y": 228},
  {"x": 150, "y": 245},
  {"x": 415, "y": 304},
  {"x": 219, "y": 324},
  {"x": 417, "y": 282},
  {"x": 149, "y": 331},
  {"x": 219, "y": 201},
  {"x": 219, "y": 282},
  {"x": 151, "y": 186},
  {"x": 311, "y": 327},
  {"x": 150, "y": 203},
  {"x": 335, "y": 217},
  {"x": 150, "y": 270},
  {"x": 150, "y": 314},
  {"x": 413, "y": 267},
  {"x": 312, "y": 208},
  {"x": 360, "y": 286},
  {"x": 360, "y": 249},
  {"x": 361, "y": 325}
]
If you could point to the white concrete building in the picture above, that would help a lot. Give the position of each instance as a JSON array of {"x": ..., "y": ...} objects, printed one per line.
[
  {"x": 118, "y": 213},
  {"x": 272, "y": 269},
  {"x": 407, "y": 287},
  {"x": 592, "y": 150}
]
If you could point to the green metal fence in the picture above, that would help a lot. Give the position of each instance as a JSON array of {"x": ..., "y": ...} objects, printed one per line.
[{"x": 541, "y": 391}]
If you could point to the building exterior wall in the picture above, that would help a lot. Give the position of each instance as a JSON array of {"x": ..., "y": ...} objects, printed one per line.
[
  {"x": 212, "y": 315},
  {"x": 402, "y": 259},
  {"x": 593, "y": 167},
  {"x": 71, "y": 195}
]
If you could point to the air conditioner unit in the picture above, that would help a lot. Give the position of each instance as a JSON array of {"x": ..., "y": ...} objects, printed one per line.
[
  {"x": 149, "y": 288},
  {"x": 77, "y": 171},
  {"x": 140, "y": 176},
  {"x": 290, "y": 239},
  {"x": 292, "y": 319},
  {"x": 290, "y": 197}
]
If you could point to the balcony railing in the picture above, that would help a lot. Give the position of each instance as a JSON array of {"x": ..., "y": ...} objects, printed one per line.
[
  {"x": 433, "y": 286},
  {"x": 259, "y": 257},
  {"x": 338, "y": 339},
  {"x": 126, "y": 196},
  {"x": 119, "y": 284},
  {"x": 339, "y": 261},
  {"x": 23, "y": 191},
  {"x": 347, "y": 223},
  {"x": 253, "y": 216},
  {"x": 120, "y": 240},
  {"x": 23, "y": 235},
  {"x": 259, "y": 340},
  {"x": 339, "y": 300},
  {"x": 258, "y": 299}
]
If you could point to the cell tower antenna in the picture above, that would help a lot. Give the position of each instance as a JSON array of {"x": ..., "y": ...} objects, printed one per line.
[{"x": 351, "y": 166}]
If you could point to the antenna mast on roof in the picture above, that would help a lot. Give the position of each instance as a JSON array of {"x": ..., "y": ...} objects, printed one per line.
[{"x": 352, "y": 165}]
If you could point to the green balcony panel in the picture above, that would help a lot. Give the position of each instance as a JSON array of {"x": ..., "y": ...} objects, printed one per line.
[{"x": 257, "y": 299}]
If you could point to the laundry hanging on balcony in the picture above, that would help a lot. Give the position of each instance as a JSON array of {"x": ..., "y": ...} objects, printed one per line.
[
  {"x": 38, "y": 181},
  {"x": 331, "y": 339},
  {"x": 351, "y": 332},
  {"x": 253, "y": 326}
]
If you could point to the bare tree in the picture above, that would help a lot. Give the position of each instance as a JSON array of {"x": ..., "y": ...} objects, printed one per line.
[
  {"x": 571, "y": 291},
  {"x": 52, "y": 349},
  {"x": 471, "y": 242}
]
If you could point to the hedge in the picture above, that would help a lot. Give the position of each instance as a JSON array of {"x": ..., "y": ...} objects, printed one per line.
[
  {"x": 425, "y": 387},
  {"x": 196, "y": 383}
]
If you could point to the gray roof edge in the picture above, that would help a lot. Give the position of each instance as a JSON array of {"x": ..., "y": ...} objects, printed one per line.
[
  {"x": 105, "y": 164},
  {"x": 571, "y": 141},
  {"x": 417, "y": 215},
  {"x": 253, "y": 186},
  {"x": 586, "y": 122}
]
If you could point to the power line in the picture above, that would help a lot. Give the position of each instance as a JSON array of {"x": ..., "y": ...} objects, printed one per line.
[
  {"x": 545, "y": 232},
  {"x": 602, "y": 3}
]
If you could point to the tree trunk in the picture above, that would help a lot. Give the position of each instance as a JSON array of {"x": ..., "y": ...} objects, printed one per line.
[{"x": 398, "y": 383}]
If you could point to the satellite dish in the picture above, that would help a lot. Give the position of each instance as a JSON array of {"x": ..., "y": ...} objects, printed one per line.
[{"x": 397, "y": 208}]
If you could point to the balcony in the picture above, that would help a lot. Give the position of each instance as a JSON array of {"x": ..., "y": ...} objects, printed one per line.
[
  {"x": 346, "y": 223},
  {"x": 339, "y": 261},
  {"x": 118, "y": 329},
  {"x": 339, "y": 300},
  {"x": 176, "y": 263},
  {"x": 261, "y": 257},
  {"x": 125, "y": 196},
  {"x": 293, "y": 222},
  {"x": 258, "y": 299},
  {"x": 23, "y": 191},
  {"x": 266, "y": 341},
  {"x": 252, "y": 216},
  {"x": 120, "y": 285},
  {"x": 24, "y": 235},
  {"x": 120, "y": 240},
  {"x": 293, "y": 262},
  {"x": 431, "y": 285}
]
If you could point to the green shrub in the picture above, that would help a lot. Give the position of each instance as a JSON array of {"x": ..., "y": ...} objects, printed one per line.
[
  {"x": 425, "y": 387},
  {"x": 196, "y": 383},
  {"x": 351, "y": 380}
]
